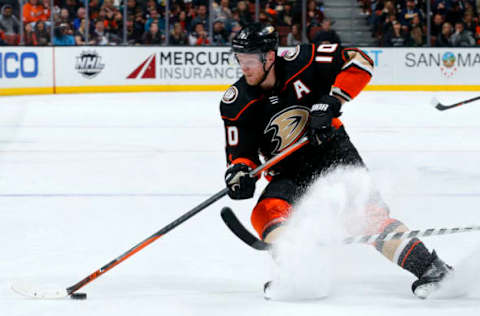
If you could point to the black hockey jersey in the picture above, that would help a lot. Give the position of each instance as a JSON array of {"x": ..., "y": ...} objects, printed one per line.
[{"x": 266, "y": 122}]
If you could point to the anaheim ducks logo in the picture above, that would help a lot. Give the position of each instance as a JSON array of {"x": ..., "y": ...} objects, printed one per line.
[
  {"x": 287, "y": 126},
  {"x": 290, "y": 55}
]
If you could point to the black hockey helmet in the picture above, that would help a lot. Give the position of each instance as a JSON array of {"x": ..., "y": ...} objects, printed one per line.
[{"x": 255, "y": 38}]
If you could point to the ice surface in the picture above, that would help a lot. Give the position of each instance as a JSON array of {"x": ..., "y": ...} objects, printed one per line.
[{"x": 85, "y": 177}]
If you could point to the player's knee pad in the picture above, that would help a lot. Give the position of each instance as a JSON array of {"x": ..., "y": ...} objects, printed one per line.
[
  {"x": 377, "y": 218},
  {"x": 268, "y": 214}
]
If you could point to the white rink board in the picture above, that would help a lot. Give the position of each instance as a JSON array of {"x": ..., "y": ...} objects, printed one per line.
[
  {"x": 103, "y": 69},
  {"x": 213, "y": 66},
  {"x": 145, "y": 66},
  {"x": 26, "y": 67},
  {"x": 409, "y": 66}
]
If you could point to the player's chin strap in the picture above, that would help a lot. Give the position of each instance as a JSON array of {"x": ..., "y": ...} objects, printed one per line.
[{"x": 266, "y": 71}]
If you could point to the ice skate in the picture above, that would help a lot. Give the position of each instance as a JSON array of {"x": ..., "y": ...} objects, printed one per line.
[{"x": 437, "y": 272}]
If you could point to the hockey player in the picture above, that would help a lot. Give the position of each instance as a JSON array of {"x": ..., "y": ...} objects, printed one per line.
[{"x": 275, "y": 103}]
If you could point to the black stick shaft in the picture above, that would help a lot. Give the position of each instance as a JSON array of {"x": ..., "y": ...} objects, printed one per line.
[{"x": 443, "y": 107}]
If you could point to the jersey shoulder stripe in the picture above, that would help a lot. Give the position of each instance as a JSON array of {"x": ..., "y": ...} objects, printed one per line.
[{"x": 306, "y": 53}]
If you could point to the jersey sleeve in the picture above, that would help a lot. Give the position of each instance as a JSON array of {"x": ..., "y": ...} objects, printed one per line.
[
  {"x": 241, "y": 141},
  {"x": 349, "y": 69}
]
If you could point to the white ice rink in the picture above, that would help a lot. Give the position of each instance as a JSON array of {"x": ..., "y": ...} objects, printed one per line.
[{"x": 85, "y": 177}]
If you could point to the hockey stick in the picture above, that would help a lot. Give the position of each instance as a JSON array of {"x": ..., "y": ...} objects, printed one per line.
[
  {"x": 29, "y": 291},
  {"x": 443, "y": 107},
  {"x": 243, "y": 234}
]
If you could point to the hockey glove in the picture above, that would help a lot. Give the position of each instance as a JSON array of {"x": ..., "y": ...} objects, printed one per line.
[
  {"x": 321, "y": 116},
  {"x": 239, "y": 182}
]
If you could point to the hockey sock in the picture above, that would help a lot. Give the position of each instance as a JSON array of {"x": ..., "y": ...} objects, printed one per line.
[
  {"x": 411, "y": 255},
  {"x": 414, "y": 257}
]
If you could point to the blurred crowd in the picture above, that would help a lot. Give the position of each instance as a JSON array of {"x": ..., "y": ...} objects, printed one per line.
[
  {"x": 397, "y": 23},
  {"x": 188, "y": 22}
]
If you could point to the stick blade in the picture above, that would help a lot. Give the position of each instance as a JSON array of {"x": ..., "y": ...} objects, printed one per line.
[
  {"x": 30, "y": 291},
  {"x": 240, "y": 231}
]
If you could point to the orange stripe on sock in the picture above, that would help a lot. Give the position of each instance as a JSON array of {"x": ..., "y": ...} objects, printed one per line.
[{"x": 409, "y": 251}]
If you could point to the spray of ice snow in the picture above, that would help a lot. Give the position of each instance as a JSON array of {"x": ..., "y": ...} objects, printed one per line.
[
  {"x": 465, "y": 281},
  {"x": 333, "y": 208}
]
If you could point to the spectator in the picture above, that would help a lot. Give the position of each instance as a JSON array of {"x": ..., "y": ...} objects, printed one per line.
[
  {"x": 409, "y": 12},
  {"x": 103, "y": 37},
  {"x": 111, "y": 17},
  {"x": 138, "y": 26},
  {"x": 64, "y": 17},
  {"x": 235, "y": 29},
  {"x": 152, "y": 36},
  {"x": 178, "y": 36},
  {"x": 440, "y": 7},
  {"x": 285, "y": 16},
  {"x": 94, "y": 7},
  {"x": 444, "y": 39},
  {"x": 327, "y": 35},
  {"x": 462, "y": 37},
  {"x": 455, "y": 13},
  {"x": 155, "y": 17},
  {"x": 417, "y": 36},
  {"x": 244, "y": 16},
  {"x": 81, "y": 35},
  {"x": 132, "y": 32},
  {"x": 99, "y": 34},
  {"x": 183, "y": 20},
  {"x": 62, "y": 36},
  {"x": 201, "y": 17},
  {"x": 9, "y": 23},
  {"x": 220, "y": 34},
  {"x": 46, "y": 11},
  {"x": 29, "y": 35},
  {"x": 416, "y": 22},
  {"x": 314, "y": 15},
  {"x": 132, "y": 7},
  {"x": 388, "y": 25},
  {"x": 72, "y": 6},
  {"x": 150, "y": 5},
  {"x": 198, "y": 36},
  {"x": 380, "y": 16},
  {"x": 270, "y": 8},
  {"x": 14, "y": 4},
  {"x": 265, "y": 18},
  {"x": 222, "y": 11},
  {"x": 295, "y": 36},
  {"x": 437, "y": 25},
  {"x": 118, "y": 23},
  {"x": 366, "y": 6},
  {"x": 42, "y": 35},
  {"x": 33, "y": 12},
  {"x": 470, "y": 24},
  {"x": 396, "y": 38},
  {"x": 78, "y": 18}
]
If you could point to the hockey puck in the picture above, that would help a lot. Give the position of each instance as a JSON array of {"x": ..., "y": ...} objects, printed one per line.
[{"x": 79, "y": 296}]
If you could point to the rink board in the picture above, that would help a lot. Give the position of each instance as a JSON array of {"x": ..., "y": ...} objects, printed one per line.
[{"x": 30, "y": 70}]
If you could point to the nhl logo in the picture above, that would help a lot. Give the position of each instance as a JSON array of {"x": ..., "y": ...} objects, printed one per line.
[{"x": 89, "y": 64}]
